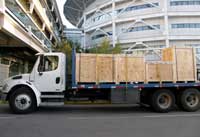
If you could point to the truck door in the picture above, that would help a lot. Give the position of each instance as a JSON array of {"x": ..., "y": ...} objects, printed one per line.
[{"x": 48, "y": 74}]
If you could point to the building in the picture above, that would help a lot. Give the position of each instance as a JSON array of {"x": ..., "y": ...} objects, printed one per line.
[
  {"x": 137, "y": 24},
  {"x": 74, "y": 35},
  {"x": 26, "y": 28}
]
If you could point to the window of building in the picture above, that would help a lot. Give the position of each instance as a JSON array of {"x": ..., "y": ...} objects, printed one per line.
[
  {"x": 185, "y": 25},
  {"x": 101, "y": 35},
  {"x": 128, "y": 9},
  {"x": 184, "y": 2},
  {"x": 139, "y": 7},
  {"x": 142, "y": 28}
]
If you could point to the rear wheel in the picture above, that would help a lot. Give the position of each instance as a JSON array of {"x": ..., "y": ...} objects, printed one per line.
[
  {"x": 190, "y": 100},
  {"x": 162, "y": 100},
  {"x": 22, "y": 101}
]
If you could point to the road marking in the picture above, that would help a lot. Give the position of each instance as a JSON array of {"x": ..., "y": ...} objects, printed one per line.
[
  {"x": 98, "y": 118},
  {"x": 178, "y": 115},
  {"x": 128, "y": 117},
  {"x": 7, "y": 117}
]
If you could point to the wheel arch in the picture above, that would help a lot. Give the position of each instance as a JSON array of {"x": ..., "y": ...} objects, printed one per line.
[{"x": 32, "y": 89}]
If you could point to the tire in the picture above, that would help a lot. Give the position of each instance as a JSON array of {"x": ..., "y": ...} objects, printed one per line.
[
  {"x": 22, "y": 101},
  {"x": 162, "y": 101},
  {"x": 190, "y": 100}
]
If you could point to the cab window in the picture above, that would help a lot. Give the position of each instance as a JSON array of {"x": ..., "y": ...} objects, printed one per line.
[{"x": 48, "y": 63}]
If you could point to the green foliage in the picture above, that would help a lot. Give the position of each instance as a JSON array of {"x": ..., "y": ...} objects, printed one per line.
[
  {"x": 66, "y": 46},
  {"x": 3, "y": 102},
  {"x": 105, "y": 48},
  {"x": 117, "y": 49}
]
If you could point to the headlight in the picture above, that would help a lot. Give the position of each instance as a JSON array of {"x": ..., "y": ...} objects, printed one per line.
[{"x": 5, "y": 87}]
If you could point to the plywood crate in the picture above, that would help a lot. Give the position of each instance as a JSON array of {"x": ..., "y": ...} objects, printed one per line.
[
  {"x": 86, "y": 68},
  {"x": 177, "y": 64},
  {"x": 106, "y": 68},
  {"x": 184, "y": 60},
  {"x": 130, "y": 68},
  {"x": 159, "y": 72},
  {"x": 94, "y": 68}
]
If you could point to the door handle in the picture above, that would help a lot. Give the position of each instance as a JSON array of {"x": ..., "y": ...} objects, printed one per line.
[{"x": 57, "y": 80}]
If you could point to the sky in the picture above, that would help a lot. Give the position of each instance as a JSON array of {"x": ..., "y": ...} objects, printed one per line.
[{"x": 65, "y": 21}]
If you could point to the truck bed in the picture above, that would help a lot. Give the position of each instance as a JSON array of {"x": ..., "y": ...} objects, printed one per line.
[{"x": 135, "y": 85}]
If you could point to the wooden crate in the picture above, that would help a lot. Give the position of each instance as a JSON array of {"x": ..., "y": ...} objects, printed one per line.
[
  {"x": 94, "y": 68},
  {"x": 105, "y": 68},
  {"x": 184, "y": 60},
  {"x": 168, "y": 54},
  {"x": 130, "y": 68},
  {"x": 177, "y": 64},
  {"x": 120, "y": 68},
  {"x": 86, "y": 68},
  {"x": 136, "y": 69},
  {"x": 159, "y": 72}
]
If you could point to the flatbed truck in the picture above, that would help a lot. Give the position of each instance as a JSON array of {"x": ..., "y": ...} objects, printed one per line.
[{"x": 48, "y": 85}]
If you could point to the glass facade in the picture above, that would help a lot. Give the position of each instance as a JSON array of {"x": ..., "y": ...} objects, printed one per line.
[
  {"x": 101, "y": 35},
  {"x": 128, "y": 9},
  {"x": 139, "y": 7},
  {"x": 185, "y": 25},
  {"x": 184, "y": 2},
  {"x": 142, "y": 28},
  {"x": 26, "y": 22},
  {"x": 132, "y": 29},
  {"x": 74, "y": 35}
]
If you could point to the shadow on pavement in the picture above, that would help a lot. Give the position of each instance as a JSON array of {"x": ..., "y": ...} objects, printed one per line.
[{"x": 87, "y": 109}]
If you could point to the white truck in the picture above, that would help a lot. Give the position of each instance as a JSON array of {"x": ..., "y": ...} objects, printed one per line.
[{"x": 49, "y": 84}]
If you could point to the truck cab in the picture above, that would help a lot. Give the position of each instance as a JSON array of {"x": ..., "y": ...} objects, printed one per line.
[{"x": 43, "y": 85}]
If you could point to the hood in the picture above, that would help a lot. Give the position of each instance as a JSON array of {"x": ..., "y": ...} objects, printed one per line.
[{"x": 22, "y": 76}]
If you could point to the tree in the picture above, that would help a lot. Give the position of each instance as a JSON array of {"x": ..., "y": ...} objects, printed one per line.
[
  {"x": 105, "y": 48},
  {"x": 117, "y": 49},
  {"x": 66, "y": 46}
]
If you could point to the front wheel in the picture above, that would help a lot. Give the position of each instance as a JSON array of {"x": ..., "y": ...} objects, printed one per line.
[
  {"x": 190, "y": 100},
  {"x": 22, "y": 101}
]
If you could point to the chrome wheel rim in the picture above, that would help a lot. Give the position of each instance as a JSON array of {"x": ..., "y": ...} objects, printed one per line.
[{"x": 23, "y": 102}]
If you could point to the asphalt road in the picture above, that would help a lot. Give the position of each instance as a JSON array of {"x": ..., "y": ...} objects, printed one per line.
[{"x": 99, "y": 121}]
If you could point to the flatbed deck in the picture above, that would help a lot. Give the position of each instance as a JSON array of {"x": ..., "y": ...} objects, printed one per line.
[{"x": 136, "y": 86}]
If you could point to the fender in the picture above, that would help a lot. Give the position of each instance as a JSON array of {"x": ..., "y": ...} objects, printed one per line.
[{"x": 14, "y": 83}]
